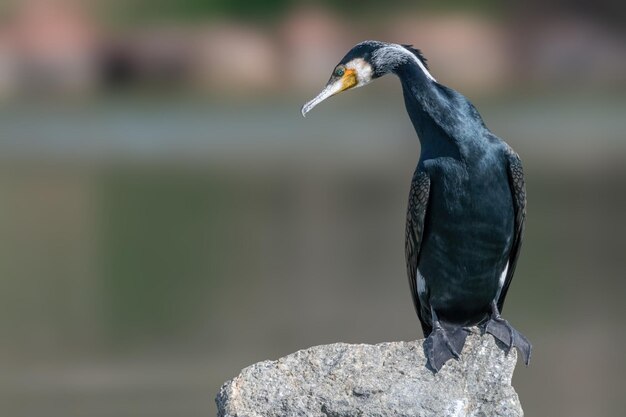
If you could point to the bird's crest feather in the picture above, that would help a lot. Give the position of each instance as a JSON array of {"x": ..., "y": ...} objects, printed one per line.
[{"x": 418, "y": 54}]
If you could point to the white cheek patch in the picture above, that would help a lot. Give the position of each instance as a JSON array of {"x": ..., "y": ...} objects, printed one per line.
[{"x": 363, "y": 71}]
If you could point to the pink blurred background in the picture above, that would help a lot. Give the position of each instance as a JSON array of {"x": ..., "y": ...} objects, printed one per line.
[{"x": 169, "y": 218}]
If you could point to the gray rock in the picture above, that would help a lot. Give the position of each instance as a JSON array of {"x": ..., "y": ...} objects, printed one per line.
[{"x": 388, "y": 379}]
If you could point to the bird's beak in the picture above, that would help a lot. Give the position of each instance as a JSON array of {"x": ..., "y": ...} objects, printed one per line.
[{"x": 334, "y": 86}]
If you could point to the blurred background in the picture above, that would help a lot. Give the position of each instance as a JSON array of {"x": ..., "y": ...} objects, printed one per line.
[{"x": 168, "y": 217}]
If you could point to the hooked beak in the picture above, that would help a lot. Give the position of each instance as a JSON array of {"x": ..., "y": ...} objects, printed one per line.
[{"x": 333, "y": 87}]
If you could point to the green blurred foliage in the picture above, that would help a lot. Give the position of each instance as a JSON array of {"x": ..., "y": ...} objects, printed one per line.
[{"x": 158, "y": 272}]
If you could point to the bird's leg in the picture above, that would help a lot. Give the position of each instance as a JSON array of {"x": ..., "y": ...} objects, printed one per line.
[
  {"x": 505, "y": 333},
  {"x": 438, "y": 346}
]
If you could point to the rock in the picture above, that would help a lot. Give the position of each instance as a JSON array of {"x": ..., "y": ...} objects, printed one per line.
[{"x": 388, "y": 379}]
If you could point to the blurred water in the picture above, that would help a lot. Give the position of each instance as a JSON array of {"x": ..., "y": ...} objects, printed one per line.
[
  {"x": 167, "y": 217},
  {"x": 151, "y": 249},
  {"x": 562, "y": 125}
]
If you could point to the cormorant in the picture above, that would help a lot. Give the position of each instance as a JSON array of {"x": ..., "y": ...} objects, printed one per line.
[{"x": 467, "y": 203}]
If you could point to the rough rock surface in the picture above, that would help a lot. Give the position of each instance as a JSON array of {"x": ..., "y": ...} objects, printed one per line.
[{"x": 388, "y": 379}]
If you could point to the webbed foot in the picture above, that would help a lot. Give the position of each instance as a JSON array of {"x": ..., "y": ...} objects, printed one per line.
[
  {"x": 443, "y": 345},
  {"x": 505, "y": 333}
]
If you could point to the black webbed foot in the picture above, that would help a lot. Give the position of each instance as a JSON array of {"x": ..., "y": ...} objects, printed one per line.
[
  {"x": 439, "y": 349},
  {"x": 505, "y": 333},
  {"x": 443, "y": 343}
]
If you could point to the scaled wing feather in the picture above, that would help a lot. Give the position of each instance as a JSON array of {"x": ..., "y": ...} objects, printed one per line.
[
  {"x": 518, "y": 190},
  {"x": 416, "y": 214}
]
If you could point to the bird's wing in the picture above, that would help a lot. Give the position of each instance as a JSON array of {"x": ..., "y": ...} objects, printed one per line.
[
  {"x": 518, "y": 190},
  {"x": 416, "y": 213}
]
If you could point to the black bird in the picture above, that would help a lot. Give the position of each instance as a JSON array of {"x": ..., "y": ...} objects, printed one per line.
[{"x": 467, "y": 203}]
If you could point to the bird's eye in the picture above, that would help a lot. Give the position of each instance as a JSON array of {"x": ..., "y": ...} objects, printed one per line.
[{"x": 339, "y": 72}]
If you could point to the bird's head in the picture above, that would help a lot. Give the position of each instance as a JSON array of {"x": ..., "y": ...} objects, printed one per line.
[{"x": 365, "y": 62}]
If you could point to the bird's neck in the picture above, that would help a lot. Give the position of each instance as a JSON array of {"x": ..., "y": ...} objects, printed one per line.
[
  {"x": 437, "y": 113},
  {"x": 394, "y": 58}
]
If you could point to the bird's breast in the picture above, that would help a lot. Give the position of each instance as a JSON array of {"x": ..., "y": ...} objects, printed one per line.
[{"x": 468, "y": 233}]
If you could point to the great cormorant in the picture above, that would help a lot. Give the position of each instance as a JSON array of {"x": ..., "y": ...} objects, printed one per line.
[{"x": 467, "y": 203}]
